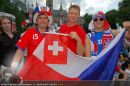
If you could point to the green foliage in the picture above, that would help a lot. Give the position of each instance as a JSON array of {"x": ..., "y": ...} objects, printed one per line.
[
  {"x": 124, "y": 11},
  {"x": 124, "y": 4},
  {"x": 116, "y": 16},
  {"x": 15, "y": 8},
  {"x": 111, "y": 17},
  {"x": 87, "y": 18},
  {"x": 124, "y": 14}
]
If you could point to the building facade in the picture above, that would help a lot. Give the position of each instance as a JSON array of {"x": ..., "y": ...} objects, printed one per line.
[{"x": 60, "y": 16}]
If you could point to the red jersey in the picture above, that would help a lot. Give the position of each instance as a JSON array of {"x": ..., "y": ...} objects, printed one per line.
[
  {"x": 72, "y": 43},
  {"x": 30, "y": 40},
  {"x": 118, "y": 68}
]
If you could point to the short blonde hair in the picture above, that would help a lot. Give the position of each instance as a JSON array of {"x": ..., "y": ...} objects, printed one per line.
[{"x": 75, "y": 7}]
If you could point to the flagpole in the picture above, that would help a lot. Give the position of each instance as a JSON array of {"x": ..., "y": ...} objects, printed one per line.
[{"x": 56, "y": 33}]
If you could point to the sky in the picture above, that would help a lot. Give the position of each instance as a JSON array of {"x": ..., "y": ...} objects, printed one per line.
[{"x": 87, "y": 6}]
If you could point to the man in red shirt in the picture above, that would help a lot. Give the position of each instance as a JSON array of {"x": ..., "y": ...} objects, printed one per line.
[
  {"x": 32, "y": 37},
  {"x": 77, "y": 34}
]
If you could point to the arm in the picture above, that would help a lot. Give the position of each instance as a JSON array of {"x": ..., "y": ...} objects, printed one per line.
[
  {"x": 126, "y": 25},
  {"x": 125, "y": 74},
  {"x": 115, "y": 32},
  {"x": 16, "y": 59},
  {"x": 87, "y": 47},
  {"x": 22, "y": 44},
  {"x": 80, "y": 48}
]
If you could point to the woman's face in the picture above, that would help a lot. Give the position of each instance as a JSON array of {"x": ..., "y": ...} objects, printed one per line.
[{"x": 98, "y": 22}]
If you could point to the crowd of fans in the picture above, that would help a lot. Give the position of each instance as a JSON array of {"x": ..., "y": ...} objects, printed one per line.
[{"x": 8, "y": 39}]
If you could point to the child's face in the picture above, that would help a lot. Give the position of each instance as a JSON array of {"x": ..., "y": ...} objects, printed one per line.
[{"x": 73, "y": 15}]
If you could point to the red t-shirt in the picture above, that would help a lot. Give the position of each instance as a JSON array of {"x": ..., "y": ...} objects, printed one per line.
[
  {"x": 118, "y": 68},
  {"x": 72, "y": 44},
  {"x": 30, "y": 40}
]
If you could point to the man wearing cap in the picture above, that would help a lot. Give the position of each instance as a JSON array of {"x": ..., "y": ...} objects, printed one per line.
[
  {"x": 32, "y": 37},
  {"x": 101, "y": 34}
]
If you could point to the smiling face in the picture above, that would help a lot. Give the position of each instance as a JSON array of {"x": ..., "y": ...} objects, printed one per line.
[
  {"x": 73, "y": 15},
  {"x": 42, "y": 21},
  {"x": 98, "y": 23},
  {"x": 6, "y": 24}
]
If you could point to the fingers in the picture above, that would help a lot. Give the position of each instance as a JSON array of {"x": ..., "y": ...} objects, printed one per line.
[{"x": 73, "y": 35}]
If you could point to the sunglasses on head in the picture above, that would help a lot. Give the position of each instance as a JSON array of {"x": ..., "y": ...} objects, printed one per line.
[{"x": 100, "y": 19}]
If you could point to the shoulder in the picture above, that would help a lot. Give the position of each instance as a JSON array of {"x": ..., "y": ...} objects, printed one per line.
[
  {"x": 30, "y": 30},
  {"x": 63, "y": 25},
  {"x": 17, "y": 35},
  {"x": 63, "y": 28},
  {"x": 108, "y": 31},
  {"x": 80, "y": 29}
]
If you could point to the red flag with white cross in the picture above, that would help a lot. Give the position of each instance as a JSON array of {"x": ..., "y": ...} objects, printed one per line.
[{"x": 55, "y": 51}]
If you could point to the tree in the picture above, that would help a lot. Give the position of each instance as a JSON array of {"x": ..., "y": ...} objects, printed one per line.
[
  {"x": 124, "y": 10},
  {"x": 87, "y": 18},
  {"x": 116, "y": 16},
  {"x": 15, "y": 8},
  {"x": 124, "y": 4},
  {"x": 112, "y": 17}
]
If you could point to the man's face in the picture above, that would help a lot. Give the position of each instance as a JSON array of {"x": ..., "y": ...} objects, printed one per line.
[
  {"x": 42, "y": 21},
  {"x": 6, "y": 24},
  {"x": 73, "y": 15}
]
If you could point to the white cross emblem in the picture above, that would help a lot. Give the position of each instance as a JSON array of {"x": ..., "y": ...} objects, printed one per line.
[{"x": 55, "y": 48}]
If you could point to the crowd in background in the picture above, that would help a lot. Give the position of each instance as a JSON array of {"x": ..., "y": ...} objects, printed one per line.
[{"x": 8, "y": 39}]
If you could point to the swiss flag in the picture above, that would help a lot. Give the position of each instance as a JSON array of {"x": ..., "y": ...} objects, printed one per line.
[
  {"x": 37, "y": 67},
  {"x": 55, "y": 51}
]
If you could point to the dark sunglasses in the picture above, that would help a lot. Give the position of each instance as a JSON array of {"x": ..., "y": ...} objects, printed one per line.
[{"x": 101, "y": 19}]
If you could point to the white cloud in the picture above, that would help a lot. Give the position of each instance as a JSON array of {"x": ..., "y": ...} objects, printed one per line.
[
  {"x": 56, "y": 4},
  {"x": 89, "y": 6}
]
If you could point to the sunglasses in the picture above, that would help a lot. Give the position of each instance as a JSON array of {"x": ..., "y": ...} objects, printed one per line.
[{"x": 100, "y": 19}]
